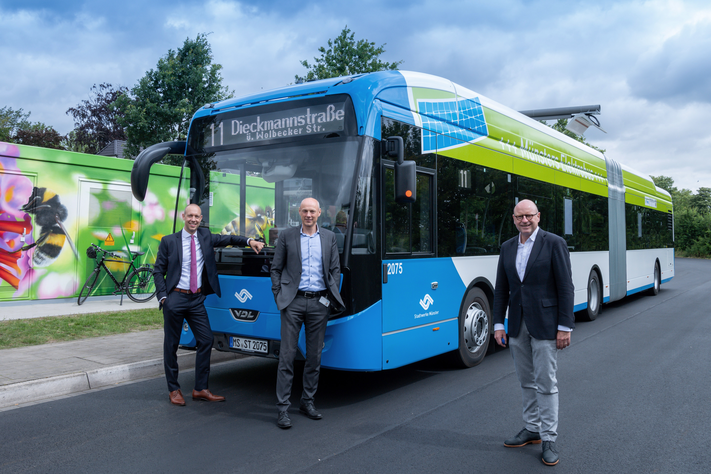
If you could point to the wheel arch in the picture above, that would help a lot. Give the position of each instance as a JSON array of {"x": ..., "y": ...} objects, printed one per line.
[
  {"x": 484, "y": 285},
  {"x": 597, "y": 270}
]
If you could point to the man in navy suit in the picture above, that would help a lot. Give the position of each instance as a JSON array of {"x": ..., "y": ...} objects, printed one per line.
[
  {"x": 306, "y": 274},
  {"x": 534, "y": 281},
  {"x": 182, "y": 283}
]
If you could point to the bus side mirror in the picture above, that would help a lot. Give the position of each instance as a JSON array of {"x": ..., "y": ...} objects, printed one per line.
[
  {"x": 405, "y": 176},
  {"x": 405, "y": 182},
  {"x": 142, "y": 165}
]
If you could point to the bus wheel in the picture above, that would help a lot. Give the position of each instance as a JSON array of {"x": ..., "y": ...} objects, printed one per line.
[
  {"x": 594, "y": 297},
  {"x": 654, "y": 290},
  {"x": 475, "y": 329}
]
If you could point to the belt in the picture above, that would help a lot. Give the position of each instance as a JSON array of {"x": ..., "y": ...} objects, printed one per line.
[
  {"x": 187, "y": 292},
  {"x": 311, "y": 294}
]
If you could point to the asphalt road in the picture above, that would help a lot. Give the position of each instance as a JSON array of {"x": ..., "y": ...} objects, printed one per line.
[{"x": 634, "y": 398}]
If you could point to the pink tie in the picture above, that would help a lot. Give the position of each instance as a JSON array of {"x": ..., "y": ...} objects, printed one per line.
[{"x": 193, "y": 266}]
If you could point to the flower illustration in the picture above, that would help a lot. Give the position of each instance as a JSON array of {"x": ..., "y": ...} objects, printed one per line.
[
  {"x": 15, "y": 224},
  {"x": 152, "y": 210}
]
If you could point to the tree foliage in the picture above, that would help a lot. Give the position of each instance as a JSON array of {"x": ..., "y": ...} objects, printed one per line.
[
  {"x": 160, "y": 106},
  {"x": 96, "y": 121},
  {"x": 11, "y": 121},
  {"x": 701, "y": 201},
  {"x": 15, "y": 127},
  {"x": 346, "y": 56},
  {"x": 39, "y": 134}
]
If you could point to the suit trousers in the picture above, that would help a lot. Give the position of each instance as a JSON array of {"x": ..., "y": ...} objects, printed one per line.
[
  {"x": 176, "y": 307},
  {"x": 314, "y": 317},
  {"x": 536, "y": 362}
]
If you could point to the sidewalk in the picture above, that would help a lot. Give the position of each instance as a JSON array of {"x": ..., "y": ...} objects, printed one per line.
[
  {"x": 66, "y": 306},
  {"x": 33, "y": 373}
]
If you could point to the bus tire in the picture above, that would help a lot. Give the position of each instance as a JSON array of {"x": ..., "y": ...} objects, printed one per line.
[
  {"x": 654, "y": 290},
  {"x": 594, "y": 297},
  {"x": 475, "y": 329}
]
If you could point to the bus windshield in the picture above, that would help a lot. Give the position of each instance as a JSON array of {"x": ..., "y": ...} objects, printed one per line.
[{"x": 257, "y": 191}]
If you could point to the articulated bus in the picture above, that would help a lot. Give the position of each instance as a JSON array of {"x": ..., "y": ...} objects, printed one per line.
[{"x": 417, "y": 270}]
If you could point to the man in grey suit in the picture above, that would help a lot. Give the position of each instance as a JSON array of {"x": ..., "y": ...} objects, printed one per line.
[
  {"x": 306, "y": 275},
  {"x": 534, "y": 281}
]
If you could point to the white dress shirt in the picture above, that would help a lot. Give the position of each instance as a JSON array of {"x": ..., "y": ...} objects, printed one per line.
[{"x": 184, "y": 283}]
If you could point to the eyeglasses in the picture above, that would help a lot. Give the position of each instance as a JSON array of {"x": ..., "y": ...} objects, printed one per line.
[{"x": 527, "y": 216}]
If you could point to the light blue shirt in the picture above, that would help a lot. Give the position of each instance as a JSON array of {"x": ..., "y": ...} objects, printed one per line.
[{"x": 311, "y": 262}]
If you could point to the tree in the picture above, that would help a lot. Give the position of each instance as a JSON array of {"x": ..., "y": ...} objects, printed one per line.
[
  {"x": 70, "y": 142},
  {"x": 160, "y": 106},
  {"x": 39, "y": 134},
  {"x": 701, "y": 201},
  {"x": 666, "y": 183},
  {"x": 344, "y": 57},
  {"x": 11, "y": 121},
  {"x": 96, "y": 121},
  {"x": 560, "y": 125},
  {"x": 681, "y": 198}
]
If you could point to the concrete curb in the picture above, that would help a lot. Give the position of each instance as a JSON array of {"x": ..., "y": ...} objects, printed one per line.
[
  {"x": 50, "y": 387},
  {"x": 34, "y": 390}
]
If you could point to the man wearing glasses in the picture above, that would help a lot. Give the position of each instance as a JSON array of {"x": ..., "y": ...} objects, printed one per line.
[{"x": 534, "y": 281}]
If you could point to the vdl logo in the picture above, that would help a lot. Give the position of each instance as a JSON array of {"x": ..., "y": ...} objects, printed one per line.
[
  {"x": 426, "y": 302},
  {"x": 243, "y": 296}
]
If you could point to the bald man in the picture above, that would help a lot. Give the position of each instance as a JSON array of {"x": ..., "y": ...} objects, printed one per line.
[
  {"x": 306, "y": 274},
  {"x": 534, "y": 281},
  {"x": 184, "y": 274}
]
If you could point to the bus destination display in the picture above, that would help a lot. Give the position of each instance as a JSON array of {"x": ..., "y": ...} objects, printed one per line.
[{"x": 310, "y": 120}]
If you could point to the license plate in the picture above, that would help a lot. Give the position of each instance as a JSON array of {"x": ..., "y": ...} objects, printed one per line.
[{"x": 249, "y": 345}]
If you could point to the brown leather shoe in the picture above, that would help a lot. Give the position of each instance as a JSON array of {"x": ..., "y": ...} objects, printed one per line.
[
  {"x": 176, "y": 398},
  {"x": 207, "y": 396}
]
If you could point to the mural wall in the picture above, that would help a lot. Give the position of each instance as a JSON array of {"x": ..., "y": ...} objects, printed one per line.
[{"x": 54, "y": 204}]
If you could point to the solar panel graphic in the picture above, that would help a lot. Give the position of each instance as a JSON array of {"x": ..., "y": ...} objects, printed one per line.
[{"x": 451, "y": 123}]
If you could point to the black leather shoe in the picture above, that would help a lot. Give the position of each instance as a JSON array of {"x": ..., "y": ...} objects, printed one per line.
[
  {"x": 550, "y": 454},
  {"x": 309, "y": 410},
  {"x": 523, "y": 438},
  {"x": 283, "y": 420}
]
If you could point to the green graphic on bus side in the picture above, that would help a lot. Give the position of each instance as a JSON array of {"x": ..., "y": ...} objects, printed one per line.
[{"x": 518, "y": 148}]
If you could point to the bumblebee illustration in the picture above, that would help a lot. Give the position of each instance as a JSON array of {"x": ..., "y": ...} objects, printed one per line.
[
  {"x": 50, "y": 214},
  {"x": 256, "y": 221}
]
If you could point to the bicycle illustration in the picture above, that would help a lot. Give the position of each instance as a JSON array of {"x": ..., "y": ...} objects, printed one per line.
[{"x": 137, "y": 283}]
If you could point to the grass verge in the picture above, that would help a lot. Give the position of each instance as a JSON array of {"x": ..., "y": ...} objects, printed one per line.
[{"x": 31, "y": 332}]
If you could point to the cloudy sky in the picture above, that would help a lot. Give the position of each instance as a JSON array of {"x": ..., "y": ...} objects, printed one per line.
[{"x": 647, "y": 63}]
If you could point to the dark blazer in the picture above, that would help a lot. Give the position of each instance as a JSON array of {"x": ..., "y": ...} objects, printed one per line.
[
  {"x": 286, "y": 267},
  {"x": 545, "y": 297},
  {"x": 167, "y": 269}
]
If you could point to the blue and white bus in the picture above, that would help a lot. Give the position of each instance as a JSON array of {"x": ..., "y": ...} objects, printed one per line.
[{"x": 418, "y": 176}]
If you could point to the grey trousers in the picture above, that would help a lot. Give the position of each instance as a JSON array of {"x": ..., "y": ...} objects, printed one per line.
[
  {"x": 536, "y": 363},
  {"x": 314, "y": 316}
]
